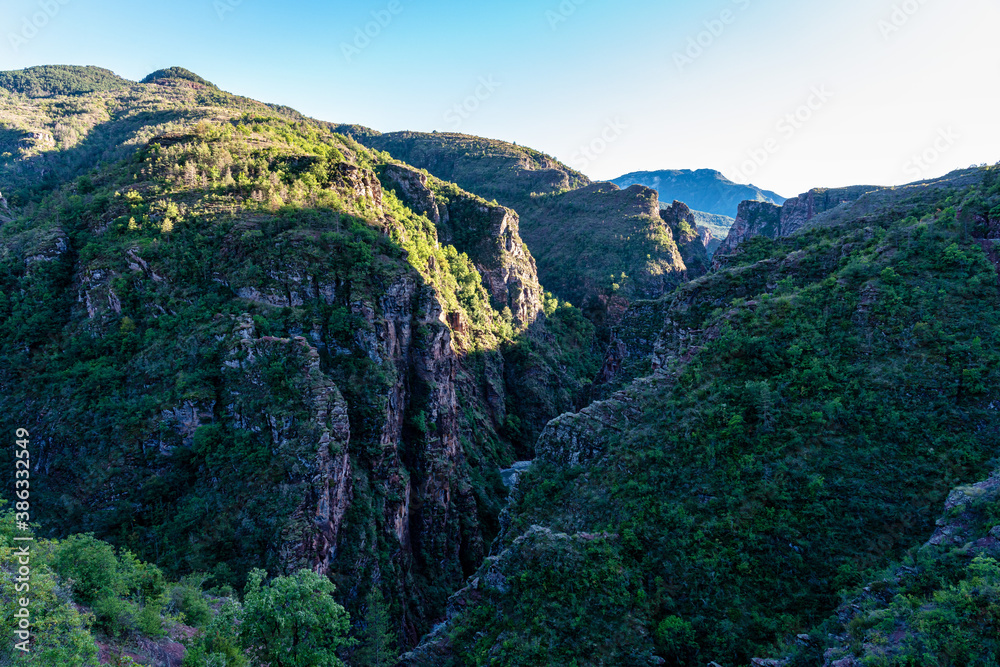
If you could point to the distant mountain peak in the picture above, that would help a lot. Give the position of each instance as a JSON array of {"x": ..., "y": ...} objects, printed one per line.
[{"x": 706, "y": 190}]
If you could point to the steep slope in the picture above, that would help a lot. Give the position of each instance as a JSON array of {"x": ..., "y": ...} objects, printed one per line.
[
  {"x": 597, "y": 245},
  {"x": 603, "y": 246},
  {"x": 809, "y": 407},
  {"x": 938, "y": 606},
  {"x": 237, "y": 346},
  {"x": 713, "y": 229},
  {"x": 703, "y": 190},
  {"x": 494, "y": 170},
  {"x": 830, "y": 206},
  {"x": 758, "y": 218}
]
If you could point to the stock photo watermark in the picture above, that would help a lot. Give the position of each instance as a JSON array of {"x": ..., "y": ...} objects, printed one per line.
[
  {"x": 920, "y": 164},
  {"x": 589, "y": 152},
  {"x": 701, "y": 42},
  {"x": 32, "y": 24},
  {"x": 471, "y": 104},
  {"x": 365, "y": 35},
  {"x": 900, "y": 16},
  {"x": 223, "y": 7},
  {"x": 787, "y": 127},
  {"x": 563, "y": 12},
  {"x": 21, "y": 555}
]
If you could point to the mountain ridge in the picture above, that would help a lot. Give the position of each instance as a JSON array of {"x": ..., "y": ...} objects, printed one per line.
[
  {"x": 705, "y": 190},
  {"x": 630, "y": 252}
]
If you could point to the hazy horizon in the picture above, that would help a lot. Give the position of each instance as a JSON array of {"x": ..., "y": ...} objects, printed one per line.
[{"x": 784, "y": 96}]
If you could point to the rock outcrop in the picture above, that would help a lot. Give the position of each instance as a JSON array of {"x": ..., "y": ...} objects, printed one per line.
[
  {"x": 759, "y": 218},
  {"x": 684, "y": 227},
  {"x": 597, "y": 245},
  {"x": 962, "y": 525},
  {"x": 964, "y": 532},
  {"x": 5, "y": 212},
  {"x": 324, "y": 437},
  {"x": 582, "y": 438},
  {"x": 709, "y": 240},
  {"x": 487, "y": 233},
  {"x": 703, "y": 189}
]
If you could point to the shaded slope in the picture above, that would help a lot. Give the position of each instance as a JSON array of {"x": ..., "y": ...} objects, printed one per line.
[
  {"x": 600, "y": 240},
  {"x": 938, "y": 606}
]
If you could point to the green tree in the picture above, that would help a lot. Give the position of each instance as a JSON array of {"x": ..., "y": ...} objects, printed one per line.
[
  {"x": 218, "y": 645},
  {"x": 294, "y": 621},
  {"x": 378, "y": 646},
  {"x": 60, "y": 632}
]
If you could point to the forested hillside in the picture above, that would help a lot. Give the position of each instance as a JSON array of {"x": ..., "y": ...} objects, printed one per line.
[
  {"x": 598, "y": 246},
  {"x": 808, "y": 410},
  {"x": 236, "y": 347}
]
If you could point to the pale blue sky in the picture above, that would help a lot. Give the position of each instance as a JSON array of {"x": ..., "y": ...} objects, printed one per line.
[{"x": 608, "y": 87}]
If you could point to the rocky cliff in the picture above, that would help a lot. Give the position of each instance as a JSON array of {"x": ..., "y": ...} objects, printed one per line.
[
  {"x": 760, "y": 218},
  {"x": 690, "y": 242},
  {"x": 824, "y": 207},
  {"x": 267, "y": 346},
  {"x": 488, "y": 233},
  {"x": 713, "y": 230},
  {"x": 596, "y": 245}
]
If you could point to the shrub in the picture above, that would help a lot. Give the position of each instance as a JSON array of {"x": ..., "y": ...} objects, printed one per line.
[
  {"x": 675, "y": 636},
  {"x": 91, "y": 566},
  {"x": 218, "y": 645},
  {"x": 187, "y": 599},
  {"x": 117, "y": 617}
]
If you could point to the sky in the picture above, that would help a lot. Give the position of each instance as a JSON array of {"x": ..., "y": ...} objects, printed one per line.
[{"x": 787, "y": 95}]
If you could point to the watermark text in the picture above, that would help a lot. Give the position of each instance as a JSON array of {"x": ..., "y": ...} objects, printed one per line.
[{"x": 22, "y": 552}]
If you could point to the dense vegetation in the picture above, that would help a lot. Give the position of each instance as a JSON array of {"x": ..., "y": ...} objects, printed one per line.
[
  {"x": 202, "y": 293},
  {"x": 176, "y": 73},
  {"x": 54, "y": 80},
  {"x": 495, "y": 170},
  {"x": 88, "y": 595},
  {"x": 845, "y": 383},
  {"x": 241, "y": 350},
  {"x": 615, "y": 239},
  {"x": 939, "y": 606}
]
